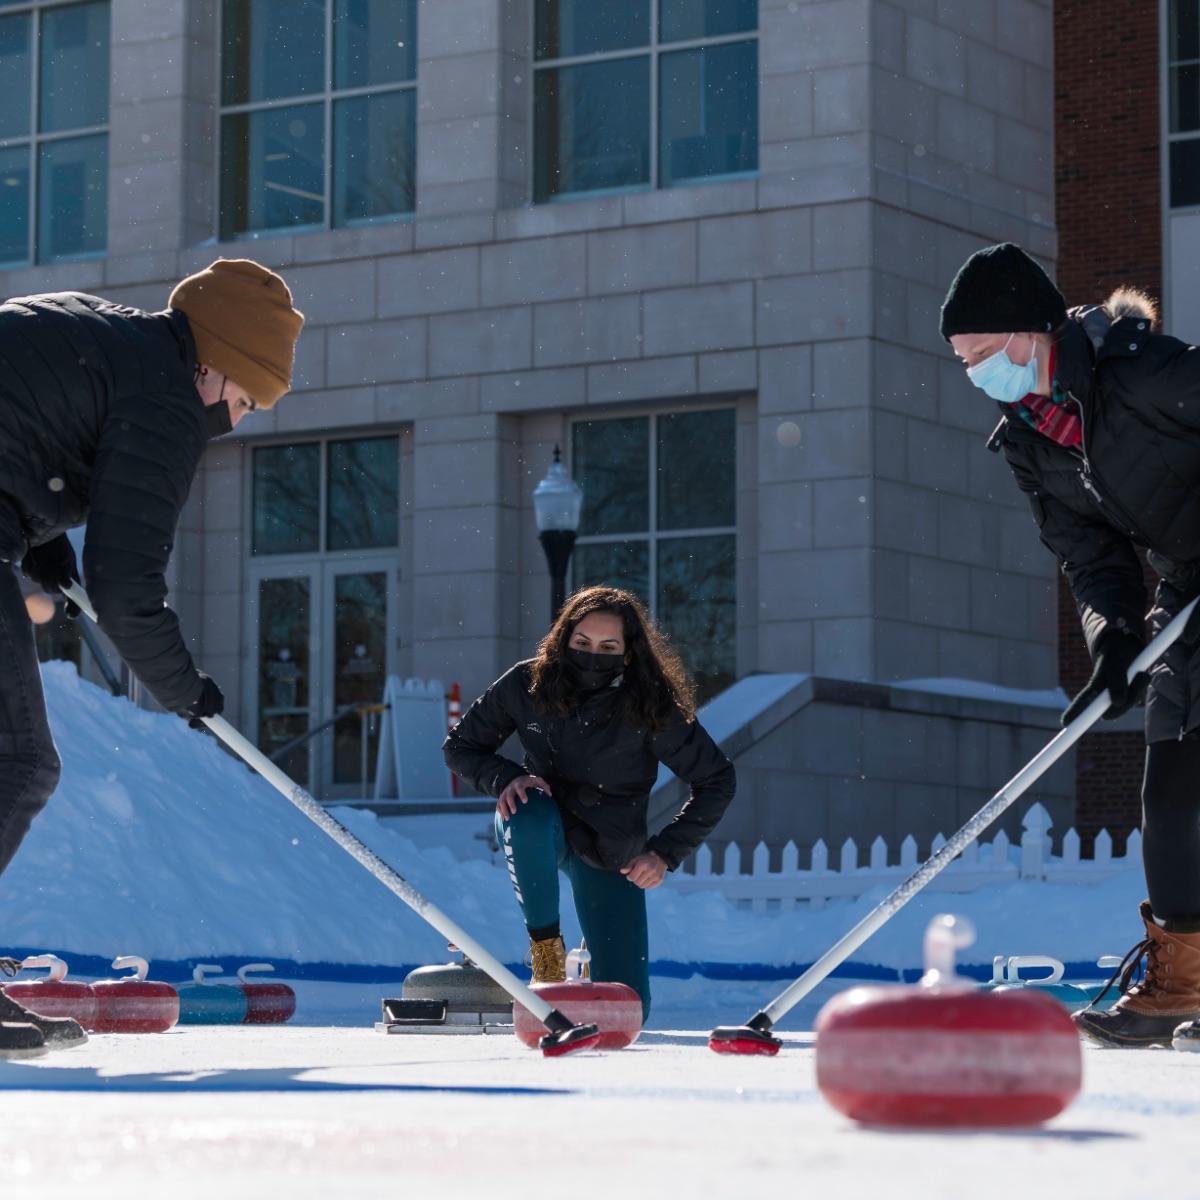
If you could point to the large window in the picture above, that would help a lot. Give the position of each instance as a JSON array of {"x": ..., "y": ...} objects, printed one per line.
[
  {"x": 1183, "y": 88},
  {"x": 643, "y": 93},
  {"x": 659, "y": 517},
  {"x": 54, "y": 65},
  {"x": 325, "y": 526},
  {"x": 319, "y": 113},
  {"x": 360, "y": 485}
]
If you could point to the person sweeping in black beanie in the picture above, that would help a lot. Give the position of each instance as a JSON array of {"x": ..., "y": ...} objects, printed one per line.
[
  {"x": 1101, "y": 426},
  {"x": 105, "y": 411}
]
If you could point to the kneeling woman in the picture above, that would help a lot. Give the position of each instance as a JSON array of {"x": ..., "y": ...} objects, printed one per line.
[{"x": 601, "y": 705}]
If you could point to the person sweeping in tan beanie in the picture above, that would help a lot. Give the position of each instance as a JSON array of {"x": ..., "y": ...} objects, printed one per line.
[{"x": 105, "y": 411}]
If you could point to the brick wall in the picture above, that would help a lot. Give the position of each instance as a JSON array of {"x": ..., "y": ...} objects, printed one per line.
[{"x": 1108, "y": 211}]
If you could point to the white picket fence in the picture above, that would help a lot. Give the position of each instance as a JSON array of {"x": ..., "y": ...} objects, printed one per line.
[{"x": 979, "y": 866}]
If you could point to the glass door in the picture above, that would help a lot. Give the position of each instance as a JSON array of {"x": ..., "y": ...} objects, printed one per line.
[
  {"x": 283, "y": 687},
  {"x": 359, "y": 624}
]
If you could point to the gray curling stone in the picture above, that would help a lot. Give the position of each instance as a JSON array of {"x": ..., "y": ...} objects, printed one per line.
[{"x": 464, "y": 987}]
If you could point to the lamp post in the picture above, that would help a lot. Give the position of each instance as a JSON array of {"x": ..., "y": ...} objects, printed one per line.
[{"x": 557, "y": 501}]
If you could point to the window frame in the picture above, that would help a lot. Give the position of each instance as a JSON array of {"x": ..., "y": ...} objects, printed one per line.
[
  {"x": 654, "y": 50},
  {"x": 653, "y": 536},
  {"x": 323, "y": 440},
  {"x": 1169, "y": 139},
  {"x": 35, "y": 139},
  {"x": 327, "y": 97}
]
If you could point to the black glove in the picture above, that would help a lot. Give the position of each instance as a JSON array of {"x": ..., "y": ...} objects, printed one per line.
[
  {"x": 1115, "y": 653},
  {"x": 210, "y": 703},
  {"x": 52, "y": 567}
]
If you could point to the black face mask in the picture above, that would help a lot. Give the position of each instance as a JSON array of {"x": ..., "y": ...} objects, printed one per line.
[
  {"x": 591, "y": 671},
  {"x": 217, "y": 419}
]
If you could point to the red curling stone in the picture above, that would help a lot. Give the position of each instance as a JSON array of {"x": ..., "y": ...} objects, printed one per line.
[
  {"x": 135, "y": 1004},
  {"x": 55, "y": 995},
  {"x": 268, "y": 1002},
  {"x": 614, "y": 1008},
  {"x": 947, "y": 1054}
]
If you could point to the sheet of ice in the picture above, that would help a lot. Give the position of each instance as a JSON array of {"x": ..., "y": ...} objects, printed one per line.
[
  {"x": 309, "y": 1112},
  {"x": 158, "y": 843}
]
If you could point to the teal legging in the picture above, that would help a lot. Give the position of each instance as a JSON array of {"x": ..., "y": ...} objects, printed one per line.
[{"x": 611, "y": 910}]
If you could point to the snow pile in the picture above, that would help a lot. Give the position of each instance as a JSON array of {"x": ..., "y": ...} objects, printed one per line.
[{"x": 160, "y": 844}]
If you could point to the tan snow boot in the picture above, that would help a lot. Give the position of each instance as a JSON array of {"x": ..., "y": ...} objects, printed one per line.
[
  {"x": 1148, "y": 1012},
  {"x": 549, "y": 958}
]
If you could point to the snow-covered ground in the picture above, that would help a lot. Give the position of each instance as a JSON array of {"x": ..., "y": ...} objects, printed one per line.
[{"x": 330, "y": 1112}]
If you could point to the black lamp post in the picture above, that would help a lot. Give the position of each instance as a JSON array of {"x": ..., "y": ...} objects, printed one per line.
[{"x": 557, "y": 501}]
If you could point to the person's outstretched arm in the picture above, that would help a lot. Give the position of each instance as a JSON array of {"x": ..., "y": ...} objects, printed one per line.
[{"x": 150, "y": 447}]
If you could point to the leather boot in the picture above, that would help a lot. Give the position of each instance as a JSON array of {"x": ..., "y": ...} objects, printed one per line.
[
  {"x": 18, "y": 1040},
  {"x": 1148, "y": 1012},
  {"x": 549, "y": 958}
]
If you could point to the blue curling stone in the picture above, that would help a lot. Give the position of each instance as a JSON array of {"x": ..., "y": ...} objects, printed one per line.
[{"x": 203, "y": 1003}]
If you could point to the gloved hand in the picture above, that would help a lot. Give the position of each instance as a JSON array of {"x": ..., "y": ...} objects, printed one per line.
[
  {"x": 210, "y": 703},
  {"x": 1115, "y": 653},
  {"x": 52, "y": 566}
]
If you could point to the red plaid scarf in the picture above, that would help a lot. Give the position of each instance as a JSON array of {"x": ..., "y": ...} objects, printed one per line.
[{"x": 1056, "y": 416}]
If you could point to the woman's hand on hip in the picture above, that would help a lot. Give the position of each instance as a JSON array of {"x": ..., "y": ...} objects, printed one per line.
[
  {"x": 515, "y": 793},
  {"x": 647, "y": 870}
]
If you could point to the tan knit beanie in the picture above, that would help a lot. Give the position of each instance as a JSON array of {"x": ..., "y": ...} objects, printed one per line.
[{"x": 242, "y": 319}]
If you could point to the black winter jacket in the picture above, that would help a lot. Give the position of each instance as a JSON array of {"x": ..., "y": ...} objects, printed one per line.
[
  {"x": 100, "y": 422},
  {"x": 1136, "y": 482},
  {"x": 599, "y": 767}
]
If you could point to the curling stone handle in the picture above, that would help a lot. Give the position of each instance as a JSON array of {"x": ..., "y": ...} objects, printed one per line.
[
  {"x": 1109, "y": 962},
  {"x": 141, "y": 968},
  {"x": 1034, "y": 962},
  {"x": 945, "y": 935},
  {"x": 56, "y": 966},
  {"x": 999, "y": 962},
  {"x": 577, "y": 965},
  {"x": 257, "y": 968},
  {"x": 203, "y": 969}
]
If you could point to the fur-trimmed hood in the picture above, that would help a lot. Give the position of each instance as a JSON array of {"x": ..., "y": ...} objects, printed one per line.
[{"x": 1131, "y": 302}]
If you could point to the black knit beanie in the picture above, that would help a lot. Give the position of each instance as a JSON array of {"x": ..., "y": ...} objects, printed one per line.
[{"x": 1000, "y": 289}]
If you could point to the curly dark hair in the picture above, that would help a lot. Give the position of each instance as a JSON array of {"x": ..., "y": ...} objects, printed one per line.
[{"x": 656, "y": 686}]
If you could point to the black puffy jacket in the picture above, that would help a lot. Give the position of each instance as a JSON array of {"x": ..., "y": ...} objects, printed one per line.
[
  {"x": 1136, "y": 482},
  {"x": 599, "y": 767},
  {"x": 100, "y": 421}
]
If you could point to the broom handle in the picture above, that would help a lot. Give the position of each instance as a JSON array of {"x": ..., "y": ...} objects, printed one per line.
[{"x": 1007, "y": 795}]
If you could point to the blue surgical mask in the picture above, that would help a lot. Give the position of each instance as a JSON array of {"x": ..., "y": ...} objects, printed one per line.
[{"x": 1003, "y": 379}]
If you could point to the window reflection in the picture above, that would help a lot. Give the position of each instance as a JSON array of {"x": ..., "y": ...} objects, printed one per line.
[
  {"x": 359, "y": 669},
  {"x": 611, "y": 462},
  {"x": 592, "y": 126},
  {"x": 284, "y": 618},
  {"x": 287, "y": 489},
  {"x": 72, "y": 197},
  {"x": 689, "y": 582},
  {"x": 565, "y": 28},
  {"x": 74, "y": 67},
  {"x": 709, "y": 121},
  {"x": 696, "y": 604},
  {"x": 271, "y": 49},
  {"x": 364, "y": 493},
  {"x": 696, "y": 476},
  {"x": 614, "y": 564}
]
